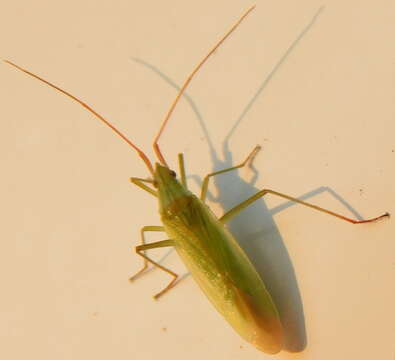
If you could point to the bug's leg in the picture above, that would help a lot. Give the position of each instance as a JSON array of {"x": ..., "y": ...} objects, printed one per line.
[
  {"x": 164, "y": 243},
  {"x": 248, "y": 160},
  {"x": 181, "y": 165},
  {"x": 142, "y": 231},
  {"x": 231, "y": 213},
  {"x": 140, "y": 183}
]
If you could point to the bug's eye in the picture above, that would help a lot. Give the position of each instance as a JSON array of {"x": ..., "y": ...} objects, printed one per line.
[{"x": 173, "y": 173}]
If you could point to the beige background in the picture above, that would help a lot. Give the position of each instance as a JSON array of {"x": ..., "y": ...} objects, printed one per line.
[{"x": 70, "y": 217}]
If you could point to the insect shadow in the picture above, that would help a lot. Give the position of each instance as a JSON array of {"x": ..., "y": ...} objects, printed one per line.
[{"x": 254, "y": 227}]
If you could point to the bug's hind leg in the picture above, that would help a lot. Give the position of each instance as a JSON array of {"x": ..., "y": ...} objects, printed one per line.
[
  {"x": 248, "y": 160},
  {"x": 233, "y": 212},
  {"x": 141, "y": 251}
]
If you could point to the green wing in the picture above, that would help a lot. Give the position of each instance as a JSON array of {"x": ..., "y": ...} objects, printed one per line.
[{"x": 224, "y": 272}]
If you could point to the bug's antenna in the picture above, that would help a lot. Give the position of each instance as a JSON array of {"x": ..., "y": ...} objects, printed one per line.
[
  {"x": 188, "y": 80},
  {"x": 86, "y": 106}
]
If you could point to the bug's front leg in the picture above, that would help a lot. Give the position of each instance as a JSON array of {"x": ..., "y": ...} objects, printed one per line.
[
  {"x": 140, "y": 183},
  {"x": 248, "y": 160},
  {"x": 181, "y": 165}
]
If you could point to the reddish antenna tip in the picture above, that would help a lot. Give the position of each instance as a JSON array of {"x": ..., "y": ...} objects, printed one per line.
[
  {"x": 92, "y": 111},
  {"x": 186, "y": 83}
]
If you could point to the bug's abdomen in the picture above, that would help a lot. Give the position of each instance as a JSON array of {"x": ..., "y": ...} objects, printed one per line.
[
  {"x": 253, "y": 315},
  {"x": 225, "y": 274}
]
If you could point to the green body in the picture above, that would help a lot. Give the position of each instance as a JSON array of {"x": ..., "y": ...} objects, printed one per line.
[{"x": 218, "y": 264}]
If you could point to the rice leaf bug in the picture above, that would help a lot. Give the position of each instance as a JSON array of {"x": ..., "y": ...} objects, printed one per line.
[{"x": 212, "y": 255}]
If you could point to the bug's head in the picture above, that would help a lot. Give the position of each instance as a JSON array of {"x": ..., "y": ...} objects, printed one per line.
[
  {"x": 163, "y": 176},
  {"x": 172, "y": 195}
]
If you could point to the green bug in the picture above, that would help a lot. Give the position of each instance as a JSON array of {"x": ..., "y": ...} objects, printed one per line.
[{"x": 212, "y": 255}]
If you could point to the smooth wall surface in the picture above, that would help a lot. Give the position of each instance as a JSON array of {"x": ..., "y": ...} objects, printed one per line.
[{"x": 70, "y": 217}]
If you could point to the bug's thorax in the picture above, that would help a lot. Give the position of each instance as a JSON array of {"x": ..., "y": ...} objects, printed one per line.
[{"x": 171, "y": 193}]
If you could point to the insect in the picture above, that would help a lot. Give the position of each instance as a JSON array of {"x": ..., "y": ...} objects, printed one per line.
[{"x": 209, "y": 251}]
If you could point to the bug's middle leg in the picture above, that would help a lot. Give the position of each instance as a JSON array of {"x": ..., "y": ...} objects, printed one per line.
[
  {"x": 142, "y": 231},
  {"x": 248, "y": 160},
  {"x": 159, "y": 244}
]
